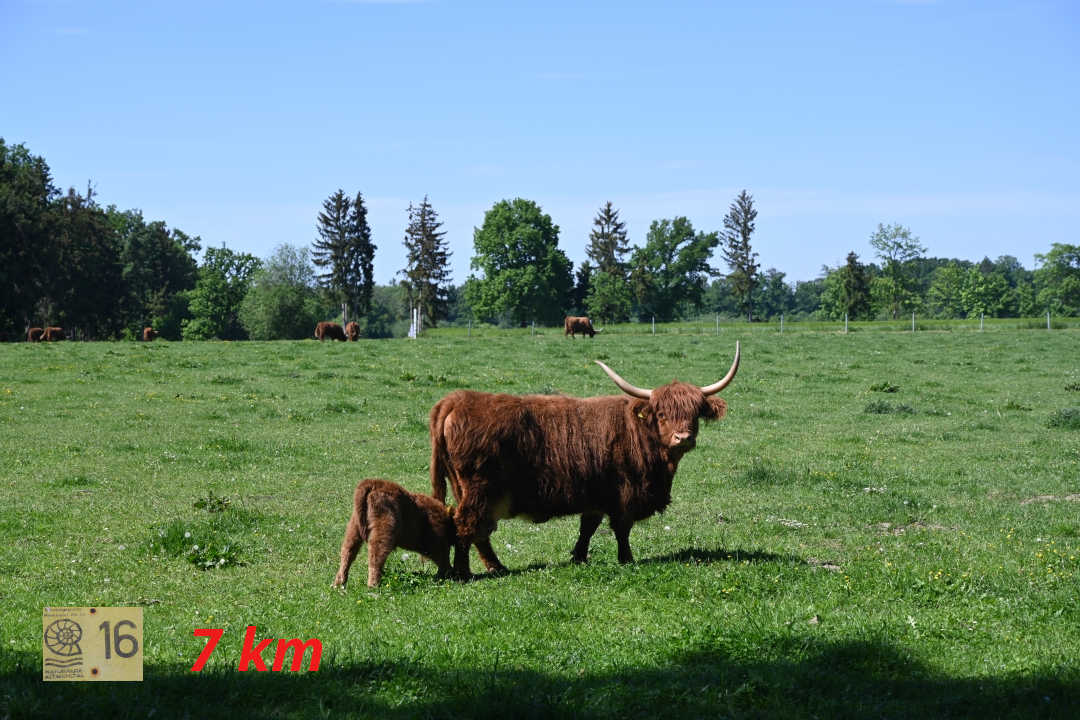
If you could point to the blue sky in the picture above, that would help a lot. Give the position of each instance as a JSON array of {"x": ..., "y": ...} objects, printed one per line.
[{"x": 235, "y": 120}]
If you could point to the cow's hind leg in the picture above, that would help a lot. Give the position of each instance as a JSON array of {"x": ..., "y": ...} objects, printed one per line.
[
  {"x": 621, "y": 528},
  {"x": 589, "y": 523},
  {"x": 349, "y": 547},
  {"x": 488, "y": 556}
]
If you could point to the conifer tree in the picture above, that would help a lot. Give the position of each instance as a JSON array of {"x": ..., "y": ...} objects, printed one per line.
[
  {"x": 345, "y": 252},
  {"x": 738, "y": 227},
  {"x": 427, "y": 275},
  {"x": 607, "y": 294}
]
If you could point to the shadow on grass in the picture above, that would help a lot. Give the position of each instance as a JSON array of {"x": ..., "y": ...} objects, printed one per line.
[
  {"x": 701, "y": 556},
  {"x": 782, "y": 677}
]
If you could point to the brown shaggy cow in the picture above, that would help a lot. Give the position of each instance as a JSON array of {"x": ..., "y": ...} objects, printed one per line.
[
  {"x": 34, "y": 334},
  {"x": 352, "y": 329},
  {"x": 542, "y": 456},
  {"x": 329, "y": 331},
  {"x": 581, "y": 325},
  {"x": 53, "y": 333},
  {"x": 148, "y": 334},
  {"x": 388, "y": 516}
]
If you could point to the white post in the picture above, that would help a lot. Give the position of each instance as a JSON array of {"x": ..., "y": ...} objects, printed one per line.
[
  {"x": 534, "y": 327},
  {"x": 912, "y": 322},
  {"x": 654, "y": 323},
  {"x": 419, "y": 320},
  {"x": 981, "y": 316},
  {"x": 781, "y": 323},
  {"x": 845, "y": 323}
]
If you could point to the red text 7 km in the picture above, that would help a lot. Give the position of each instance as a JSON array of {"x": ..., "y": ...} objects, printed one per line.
[{"x": 252, "y": 653}]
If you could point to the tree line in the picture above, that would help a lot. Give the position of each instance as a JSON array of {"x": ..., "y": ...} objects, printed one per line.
[{"x": 104, "y": 273}]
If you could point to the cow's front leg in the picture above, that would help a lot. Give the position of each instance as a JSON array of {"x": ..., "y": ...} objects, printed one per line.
[
  {"x": 488, "y": 557},
  {"x": 621, "y": 528},
  {"x": 589, "y": 523}
]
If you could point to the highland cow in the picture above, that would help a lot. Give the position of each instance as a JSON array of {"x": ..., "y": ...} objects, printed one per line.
[
  {"x": 388, "y": 516},
  {"x": 34, "y": 334},
  {"x": 541, "y": 456},
  {"x": 149, "y": 334},
  {"x": 352, "y": 330},
  {"x": 581, "y": 325},
  {"x": 329, "y": 331},
  {"x": 53, "y": 333}
]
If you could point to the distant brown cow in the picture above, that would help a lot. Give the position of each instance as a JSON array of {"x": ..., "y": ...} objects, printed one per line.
[
  {"x": 581, "y": 325},
  {"x": 148, "y": 334},
  {"x": 543, "y": 456},
  {"x": 329, "y": 331},
  {"x": 388, "y": 516},
  {"x": 53, "y": 333},
  {"x": 34, "y": 334},
  {"x": 352, "y": 329}
]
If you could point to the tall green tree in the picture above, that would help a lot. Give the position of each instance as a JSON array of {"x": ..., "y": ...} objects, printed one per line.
[
  {"x": 345, "y": 251},
  {"x": 26, "y": 249},
  {"x": 738, "y": 227},
  {"x": 607, "y": 241},
  {"x": 583, "y": 281},
  {"x": 283, "y": 302},
  {"x": 224, "y": 279},
  {"x": 1058, "y": 280},
  {"x": 670, "y": 273},
  {"x": 855, "y": 289},
  {"x": 427, "y": 273},
  {"x": 946, "y": 295},
  {"x": 524, "y": 274},
  {"x": 774, "y": 297},
  {"x": 898, "y": 250}
]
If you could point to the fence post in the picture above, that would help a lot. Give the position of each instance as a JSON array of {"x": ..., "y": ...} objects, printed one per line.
[
  {"x": 981, "y": 316},
  {"x": 845, "y": 323},
  {"x": 913, "y": 322},
  {"x": 654, "y": 323},
  {"x": 781, "y": 323},
  {"x": 1047, "y": 319}
]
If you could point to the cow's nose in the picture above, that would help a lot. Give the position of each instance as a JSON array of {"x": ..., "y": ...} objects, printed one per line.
[{"x": 680, "y": 437}]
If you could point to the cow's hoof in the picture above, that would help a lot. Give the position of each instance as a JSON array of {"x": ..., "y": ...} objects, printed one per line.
[
  {"x": 579, "y": 559},
  {"x": 498, "y": 571}
]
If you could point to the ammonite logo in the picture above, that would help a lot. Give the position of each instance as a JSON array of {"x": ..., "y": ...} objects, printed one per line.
[{"x": 62, "y": 641}]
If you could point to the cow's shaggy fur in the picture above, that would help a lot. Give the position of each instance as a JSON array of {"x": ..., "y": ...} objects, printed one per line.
[
  {"x": 53, "y": 333},
  {"x": 329, "y": 331},
  {"x": 34, "y": 334},
  {"x": 352, "y": 330},
  {"x": 540, "y": 456},
  {"x": 388, "y": 516},
  {"x": 148, "y": 334},
  {"x": 581, "y": 325}
]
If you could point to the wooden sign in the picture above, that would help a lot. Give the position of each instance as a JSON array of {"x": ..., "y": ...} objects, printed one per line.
[{"x": 91, "y": 643}]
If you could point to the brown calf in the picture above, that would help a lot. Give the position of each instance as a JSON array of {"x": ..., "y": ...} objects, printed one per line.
[
  {"x": 388, "y": 516},
  {"x": 53, "y": 333},
  {"x": 34, "y": 334},
  {"x": 352, "y": 329},
  {"x": 581, "y": 325},
  {"x": 329, "y": 331},
  {"x": 148, "y": 334}
]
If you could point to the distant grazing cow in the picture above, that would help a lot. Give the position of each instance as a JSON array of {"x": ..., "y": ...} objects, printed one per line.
[
  {"x": 329, "y": 331},
  {"x": 581, "y": 325},
  {"x": 53, "y": 333},
  {"x": 352, "y": 329},
  {"x": 542, "y": 456},
  {"x": 34, "y": 334},
  {"x": 148, "y": 334},
  {"x": 388, "y": 516}
]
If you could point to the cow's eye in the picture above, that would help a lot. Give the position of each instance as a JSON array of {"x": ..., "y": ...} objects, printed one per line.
[{"x": 661, "y": 416}]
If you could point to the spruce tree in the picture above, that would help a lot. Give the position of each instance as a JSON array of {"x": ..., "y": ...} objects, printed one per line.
[
  {"x": 344, "y": 251},
  {"x": 607, "y": 241},
  {"x": 738, "y": 227},
  {"x": 427, "y": 276}
]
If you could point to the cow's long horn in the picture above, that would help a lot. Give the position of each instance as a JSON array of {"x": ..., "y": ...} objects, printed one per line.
[
  {"x": 625, "y": 386},
  {"x": 723, "y": 382}
]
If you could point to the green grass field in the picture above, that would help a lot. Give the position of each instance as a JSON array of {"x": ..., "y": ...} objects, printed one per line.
[{"x": 887, "y": 524}]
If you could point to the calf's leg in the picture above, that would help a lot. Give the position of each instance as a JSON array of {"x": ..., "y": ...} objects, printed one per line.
[
  {"x": 382, "y": 536},
  {"x": 621, "y": 528},
  {"x": 349, "y": 547}
]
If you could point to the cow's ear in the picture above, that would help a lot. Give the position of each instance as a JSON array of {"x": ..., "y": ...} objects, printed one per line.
[
  {"x": 641, "y": 409},
  {"x": 714, "y": 409}
]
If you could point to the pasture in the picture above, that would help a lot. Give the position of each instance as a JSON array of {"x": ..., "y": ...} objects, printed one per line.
[{"x": 886, "y": 524}]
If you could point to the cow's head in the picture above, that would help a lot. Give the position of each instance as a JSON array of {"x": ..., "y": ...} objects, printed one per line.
[{"x": 676, "y": 407}]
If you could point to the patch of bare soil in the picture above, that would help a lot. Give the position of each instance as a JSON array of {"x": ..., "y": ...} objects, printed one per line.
[{"x": 1075, "y": 497}]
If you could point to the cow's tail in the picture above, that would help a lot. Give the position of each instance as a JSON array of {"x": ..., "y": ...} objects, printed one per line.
[{"x": 438, "y": 454}]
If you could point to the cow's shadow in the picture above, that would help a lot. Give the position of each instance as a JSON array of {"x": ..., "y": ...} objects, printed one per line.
[{"x": 704, "y": 556}]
